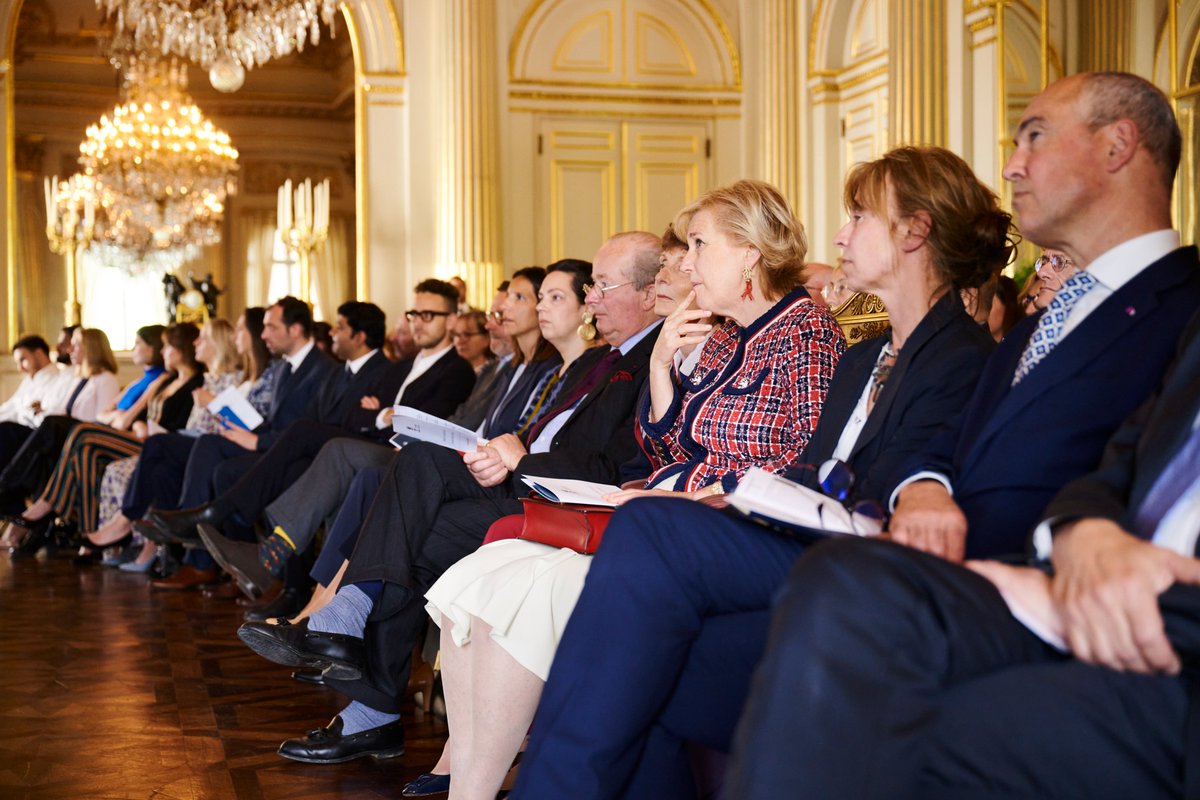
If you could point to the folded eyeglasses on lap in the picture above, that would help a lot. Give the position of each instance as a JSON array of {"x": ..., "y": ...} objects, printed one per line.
[{"x": 837, "y": 481}]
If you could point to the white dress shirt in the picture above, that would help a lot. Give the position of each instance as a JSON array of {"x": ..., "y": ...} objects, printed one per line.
[{"x": 40, "y": 387}]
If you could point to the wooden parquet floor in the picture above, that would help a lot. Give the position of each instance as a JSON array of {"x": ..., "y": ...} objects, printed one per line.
[{"x": 109, "y": 689}]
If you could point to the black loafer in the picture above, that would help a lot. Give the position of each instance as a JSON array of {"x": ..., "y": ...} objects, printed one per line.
[
  {"x": 328, "y": 745},
  {"x": 426, "y": 785},
  {"x": 339, "y": 657},
  {"x": 309, "y": 676}
]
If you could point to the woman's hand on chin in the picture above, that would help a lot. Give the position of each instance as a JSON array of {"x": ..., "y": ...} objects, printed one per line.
[{"x": 681, "y": 329}]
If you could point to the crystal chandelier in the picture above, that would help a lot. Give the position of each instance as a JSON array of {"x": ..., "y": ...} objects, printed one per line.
[
  {"x": 161, "y": 172},
  {"x": 226, "y": 37}
]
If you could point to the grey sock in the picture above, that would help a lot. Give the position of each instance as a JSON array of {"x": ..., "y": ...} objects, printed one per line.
[
  {"x": 357, "y": 717},
  {"x": 346, "y": 613}
]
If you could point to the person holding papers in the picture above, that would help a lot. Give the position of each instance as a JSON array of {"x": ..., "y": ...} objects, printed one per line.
[
  {"x": 337, "y": 472},
  {"x": 21, "y": 412},
  {"x": 674, "y": 614},
  {"x": 435, "y": 505},
  {"x": 157, "y": 477}
]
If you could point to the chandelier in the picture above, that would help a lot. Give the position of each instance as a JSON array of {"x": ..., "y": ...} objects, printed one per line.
[
  {"x": 226, "y": 37},
  {"x": 160, "y": 171}
]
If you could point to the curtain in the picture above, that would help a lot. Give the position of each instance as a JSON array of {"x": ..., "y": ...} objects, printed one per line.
[
  {"x": 331, "y": 271},
  {"x": 256, "y": 229}
]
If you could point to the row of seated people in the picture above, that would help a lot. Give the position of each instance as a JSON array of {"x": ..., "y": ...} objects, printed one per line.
[
  {"x": 628, "y": 656},
  {"x": 185, "y": 369},
  {"x": 881, "y": 666}
]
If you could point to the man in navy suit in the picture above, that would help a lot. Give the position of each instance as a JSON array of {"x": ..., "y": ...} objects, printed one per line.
[
  {"x": 894, "y": 674},
  {"x": 1095, "y": 160}
]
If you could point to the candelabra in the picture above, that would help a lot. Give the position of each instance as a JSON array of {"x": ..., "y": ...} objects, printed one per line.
[
  {"x": 68, "y": 231},
  {"x": 303, "y": 222}
]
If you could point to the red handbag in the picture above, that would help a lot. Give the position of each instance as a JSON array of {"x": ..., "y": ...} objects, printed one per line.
[{"x": 577, "y": 527}]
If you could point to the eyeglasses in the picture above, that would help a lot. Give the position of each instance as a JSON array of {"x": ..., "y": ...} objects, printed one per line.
[
  {"x": 1057, "y": 263},
  {"x": 495, "y": 316},
  {"x": 837, "y": 480},
  {"x": 603, "y": 289},
  {"x": 426, "y": 316},
  {"x": 467, "y": 335}
]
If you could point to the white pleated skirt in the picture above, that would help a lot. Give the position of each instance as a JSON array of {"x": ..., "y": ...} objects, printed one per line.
[{"x": 524, "y": 590}]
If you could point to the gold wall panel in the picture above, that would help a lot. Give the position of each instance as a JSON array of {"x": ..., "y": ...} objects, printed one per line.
[
  {"x": 583, "y": 140},
  {"x": 583, "y": 208},
  {"x": 661, "y": 189},
  {"x": 627, "y": 44},
  {"x": 587, "y": 47},
  {"x": 870, "y": 30},
  {"x": 666, "y": 143},
  {"x": 658, "y": 50}
]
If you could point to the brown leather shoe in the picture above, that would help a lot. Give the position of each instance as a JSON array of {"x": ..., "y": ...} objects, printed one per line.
[
  {"x": 223, "y": 591},
  {"x": 188, "y": 577}
]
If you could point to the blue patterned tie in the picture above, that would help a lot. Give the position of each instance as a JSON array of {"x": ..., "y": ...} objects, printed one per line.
[{"x": 1050, "y": 324}]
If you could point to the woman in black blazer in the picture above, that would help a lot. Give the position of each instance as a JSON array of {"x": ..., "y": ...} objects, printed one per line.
[{"x": 674, "y": 614}]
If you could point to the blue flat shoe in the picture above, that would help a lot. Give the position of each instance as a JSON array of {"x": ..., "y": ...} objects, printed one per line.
[
  {"x": 133, "y": 566},
  {"x": 426, "y": 785}
]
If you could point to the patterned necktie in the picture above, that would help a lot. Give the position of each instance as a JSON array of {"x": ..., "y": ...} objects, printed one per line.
[
  {"x": 1180, "y": 474},
  {"x": 598, "y": 373},
  {"x": 1050, "y": 324}
]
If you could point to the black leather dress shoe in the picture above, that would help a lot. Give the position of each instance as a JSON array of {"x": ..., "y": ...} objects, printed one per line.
[
  {"x": 425, "y": 785},
  {"x": 180, "y": 526},
  {"x": 239, "y": 559},
  {"x": 339, "y": 657},
  {"x": 310, "y": 676},
  {"x": 328, "y": 745},
  {"x": 287, "y": 603}
]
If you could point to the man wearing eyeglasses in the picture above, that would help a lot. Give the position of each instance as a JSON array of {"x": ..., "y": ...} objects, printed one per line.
[{"x": 435, "y": 381}]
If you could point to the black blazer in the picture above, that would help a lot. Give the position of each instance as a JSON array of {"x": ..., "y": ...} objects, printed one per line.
[
  {"x": 1016, "y": 447},
  {"x": 438, "y": 391},
  {"x": 505, "y": 410},
  {"x": 933, "y": 378},
  {"x": 339, "y": 401},
  {"x": 471, "y": 412},
  {"x": 1142, "y": 447},
  {"x": 598, "y": 437},
  {"x": 293, "y": 395}
]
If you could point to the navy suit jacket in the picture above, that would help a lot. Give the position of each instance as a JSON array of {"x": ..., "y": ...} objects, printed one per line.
[
  {"x": 1017, "y": 446},
  {"x": 933, "y": 378},
  {"x": 1141, "y": 448},
  {"x": 339, "y": 400},
  {"x": 294, "y": 395}
]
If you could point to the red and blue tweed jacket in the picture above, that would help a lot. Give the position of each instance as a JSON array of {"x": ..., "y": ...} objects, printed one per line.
[{"x": 752, "y": 401}]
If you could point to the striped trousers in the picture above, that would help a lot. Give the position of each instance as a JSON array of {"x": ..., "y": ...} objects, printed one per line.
[{"x": 75, "y": 483}]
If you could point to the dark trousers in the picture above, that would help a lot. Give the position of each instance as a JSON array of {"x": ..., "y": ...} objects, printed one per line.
[
  {"x": 893, "y": 674},
  {"x": 29, "y": 468},
  {"x": 278, "y": 468},
  {"x": 429, "y": 512},
  {"x": 214, "y": 465},
  {"x": 12, "y": 436},
  {"x": 342, "y": 535},
  {"x": 659, "y": 650},
  {"x": 158, "y": 479}
]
